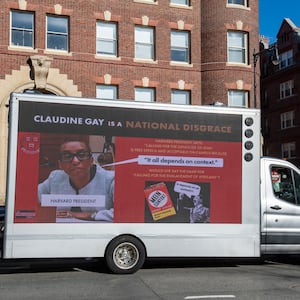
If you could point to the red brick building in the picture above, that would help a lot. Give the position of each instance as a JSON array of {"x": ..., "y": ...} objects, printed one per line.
[
  {"x": 181, "y": 51},
  {"x": 281, "y": 96}
]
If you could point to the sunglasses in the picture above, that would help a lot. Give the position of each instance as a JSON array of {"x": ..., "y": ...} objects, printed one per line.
[{"x": 80, "y": 155}]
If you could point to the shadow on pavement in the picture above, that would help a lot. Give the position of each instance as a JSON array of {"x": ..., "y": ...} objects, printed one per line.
[
  {"x": 51, "y": 265},
  {"x": 98, "y": 265}
]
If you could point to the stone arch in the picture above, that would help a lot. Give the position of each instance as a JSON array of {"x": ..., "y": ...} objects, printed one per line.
[{"x": 18, "y": 81}]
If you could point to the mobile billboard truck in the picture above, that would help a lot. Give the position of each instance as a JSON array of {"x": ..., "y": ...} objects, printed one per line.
[{"x": 125, "y": 181}]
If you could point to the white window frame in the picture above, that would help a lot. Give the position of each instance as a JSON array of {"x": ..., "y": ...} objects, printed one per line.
[
  {"x": 106, "y": 38},
  {"x": 237, "y": 47},
  {"x": 288, "y": 150},
  {"x": 25, "y": 31},
  {"x": 243, "y": 3},
  {"x": 106, "y": 92},
  {"x": 286, "y": 59},
  {"x": 238, "y": 98},
  {"x": 63, "y": 34},
  {"x": 144, "y": 94},
  {"x": 286, "y": 89},
  {"x": 180, "y": 2},
  {"x": 180, "y": 44},
  {"x": 287, "y": 119},
  {"x": 144, "y": 42},
  {"x": 182, "y": 97},
  {"x": 146, "y": 1}
]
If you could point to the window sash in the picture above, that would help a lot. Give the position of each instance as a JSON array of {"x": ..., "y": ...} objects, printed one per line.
[
  {"x": 181, "y": 97},
  {"x": 288, "y": 150},
  {"x": 180, "y": 46},
  {"x": 286, "y": 59},
  {"x": 238, "y": 98},
  {"x": 237, "y": 47},
  {"x": 286, "y": 89},
  {"x": 144, "y": 94},
  {"x": 106, "y": 41},
  {"x": 107, "y": 92},
  {"x": 287, "y": 119},
  {"x": 22, "y": 29},
  {"x": 181, "y": 2},
  {"x": 144, "y": 42},
  {"x": 57, "y": 33},
  {"x": 238, "y": 2}
]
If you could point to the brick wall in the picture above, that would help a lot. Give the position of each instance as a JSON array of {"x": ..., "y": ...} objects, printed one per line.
[{"x": 81, "y": 65}]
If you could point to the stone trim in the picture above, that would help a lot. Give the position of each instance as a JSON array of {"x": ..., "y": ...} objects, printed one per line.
[{"x": 18, "y": 81}]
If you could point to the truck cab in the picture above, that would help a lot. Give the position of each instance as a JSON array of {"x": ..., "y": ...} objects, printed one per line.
[{"x": 280, "y": 207}]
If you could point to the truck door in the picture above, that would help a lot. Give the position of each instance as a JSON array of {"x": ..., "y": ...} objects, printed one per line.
[{"x": 283, "y": 208}]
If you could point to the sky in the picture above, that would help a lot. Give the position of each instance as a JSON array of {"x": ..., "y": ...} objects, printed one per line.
[{"x": 272, "y": 13}]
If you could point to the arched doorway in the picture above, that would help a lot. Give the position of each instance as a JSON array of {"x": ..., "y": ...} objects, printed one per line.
[{"x": 19, "y": 81}]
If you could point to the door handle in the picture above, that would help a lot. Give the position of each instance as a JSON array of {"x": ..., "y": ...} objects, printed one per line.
[{"x": 276, "y": 207}]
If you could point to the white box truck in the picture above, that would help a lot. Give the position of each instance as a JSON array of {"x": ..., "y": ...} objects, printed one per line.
[{"x": 127, "y": 180}]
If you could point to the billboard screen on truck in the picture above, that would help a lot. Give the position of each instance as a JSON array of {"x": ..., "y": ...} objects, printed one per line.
[{"x": 83, "y": 163}]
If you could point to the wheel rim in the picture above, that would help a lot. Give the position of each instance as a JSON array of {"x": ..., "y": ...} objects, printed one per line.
[{"x": 126, "y": 255}]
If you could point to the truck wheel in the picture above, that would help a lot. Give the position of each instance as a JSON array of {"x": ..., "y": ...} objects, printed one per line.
[{"x": 125, "y": 255}]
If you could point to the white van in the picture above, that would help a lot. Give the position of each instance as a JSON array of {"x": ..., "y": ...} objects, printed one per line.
[{"x": 180, "y": 181}]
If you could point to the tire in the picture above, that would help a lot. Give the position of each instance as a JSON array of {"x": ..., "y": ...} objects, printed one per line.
[{"x": 125, "y": 255}]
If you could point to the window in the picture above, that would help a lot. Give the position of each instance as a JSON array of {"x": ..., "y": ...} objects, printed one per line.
[
  {"x": 288, "y": 150},
  {"x": 181, "y": 2},
  {"x": 286, "y": 184},
  {"x": 57, "y": 33},
  {"x": 146, "y": 1},
  {"x": 144, "y": 42},
  {"x": 286, "y": 89},
  {"x": 286, "y": 59},
  {"x": 238, "y": 98},
  {"x": 144, "y": 94},
  {"x": 180, "y": 46},
  {"x": 238, "y": 2},
  {"x": 106, "y": 40},
  {"x": 107, "y": 92},
  {"x": 22, "y": 29},
  {"x": 181, "y": 97},
  {"x": 237, "y": 47},
  {"x": 287, "y": 119}
]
